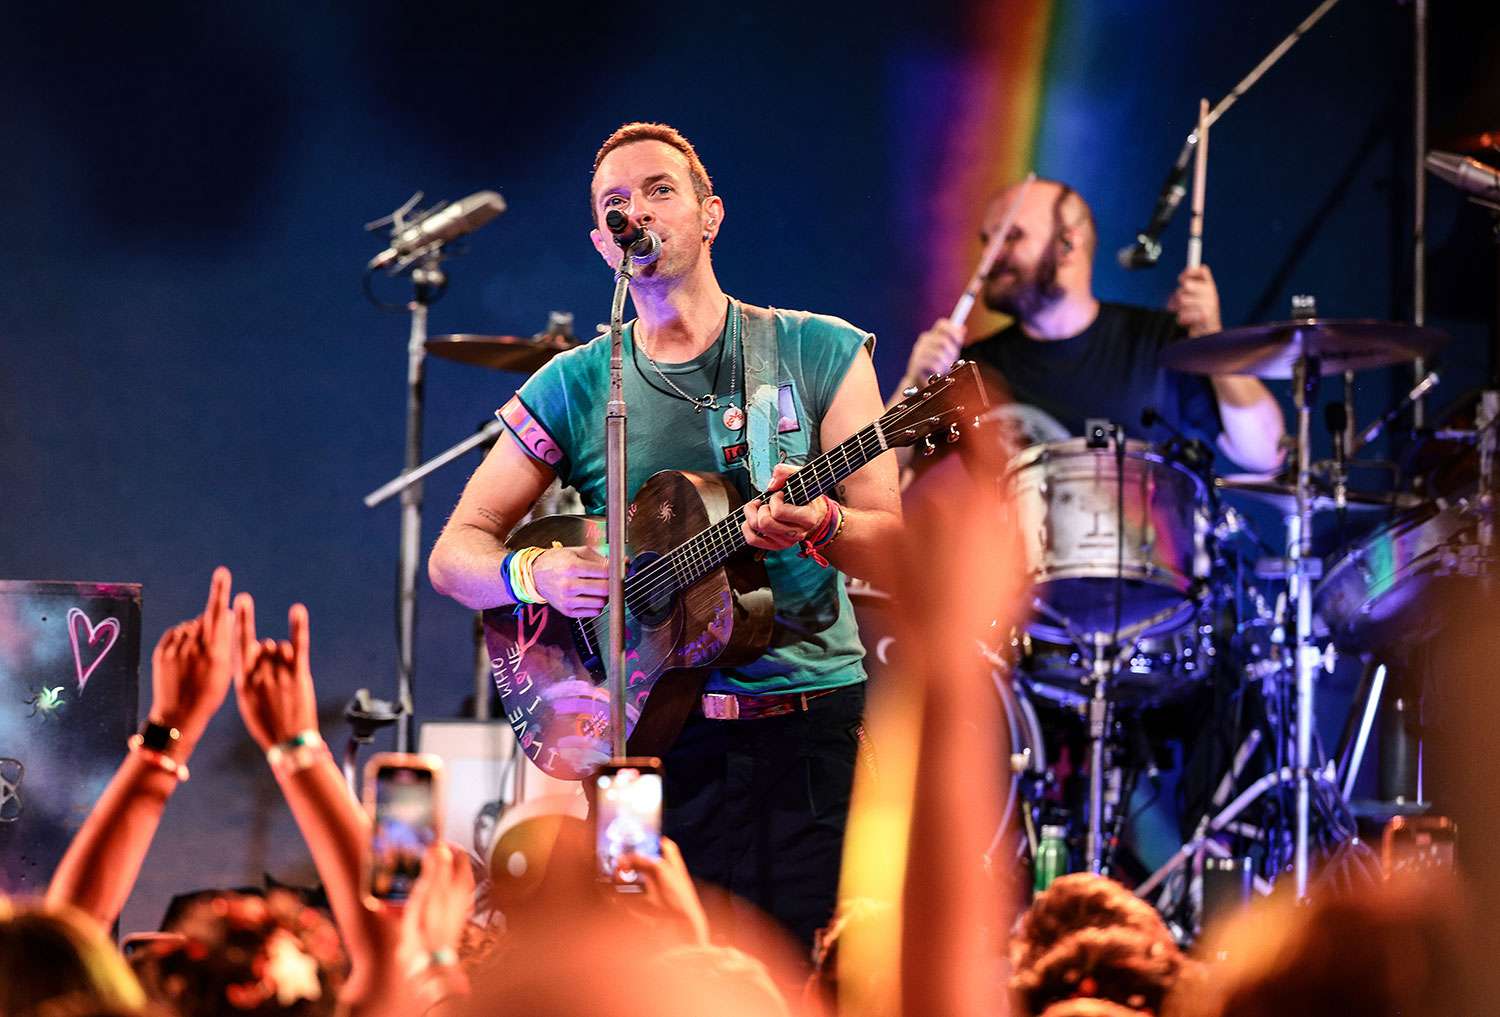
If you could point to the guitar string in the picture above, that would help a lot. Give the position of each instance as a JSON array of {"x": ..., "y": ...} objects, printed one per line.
[
  {"x": 700, "y": 550},
  {"x": 706, "y": 549}
]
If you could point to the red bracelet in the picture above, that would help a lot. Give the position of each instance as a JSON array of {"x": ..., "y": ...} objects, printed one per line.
[{"x": 833, "y": 525}]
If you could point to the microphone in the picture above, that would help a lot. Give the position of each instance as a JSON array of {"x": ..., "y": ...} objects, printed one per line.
[
  {"x": 449, "y": 223},
  {"x": 1194, "y": 451},
  {"x": 1469, "y": 175},
  {"x": 1147, "y": 247},
  {"x": 642, "y": 244}
]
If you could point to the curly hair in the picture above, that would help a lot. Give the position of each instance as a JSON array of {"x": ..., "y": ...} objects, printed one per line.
[
  {"x": 257, "y": 956},
  {"x": 1082, "y": 901},
  {"x": 1119, "y": 964}
]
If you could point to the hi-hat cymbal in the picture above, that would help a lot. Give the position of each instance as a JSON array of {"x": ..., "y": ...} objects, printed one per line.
[
  {"x": 1281, "y": 495},
  {"x": 499, "y": 352},
  {"x": 1271, "y": 351}
]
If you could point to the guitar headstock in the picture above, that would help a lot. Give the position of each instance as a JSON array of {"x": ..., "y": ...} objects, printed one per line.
[{"x": 950, "y": 403}]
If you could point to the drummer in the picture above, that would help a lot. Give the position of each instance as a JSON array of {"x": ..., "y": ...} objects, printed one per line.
[{"x": 1068, "y": 356}]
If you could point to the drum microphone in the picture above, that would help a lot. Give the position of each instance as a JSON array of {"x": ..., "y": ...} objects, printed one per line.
[
  {"x": 642, "y": 244},
  {"x": 1193, "y": 450},
  {"x": 447, "y": 223},
  {"x": 1146, "y": 250}
]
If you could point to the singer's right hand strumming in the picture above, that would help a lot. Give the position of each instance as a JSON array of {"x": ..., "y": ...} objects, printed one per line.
[
  {"x": 575, "y": 580},
  {"x": 935, "y": 351}
]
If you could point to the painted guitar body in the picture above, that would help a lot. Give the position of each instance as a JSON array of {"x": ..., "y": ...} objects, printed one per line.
[
  {"x": 695, "y": 596},
  {"x": 549, "y": 668}
]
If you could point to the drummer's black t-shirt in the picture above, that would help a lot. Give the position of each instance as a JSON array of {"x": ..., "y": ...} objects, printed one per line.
[{"x": 1111, "y": 369}]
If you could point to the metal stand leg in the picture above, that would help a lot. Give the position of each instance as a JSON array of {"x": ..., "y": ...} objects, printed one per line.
[
  {"x": 1098, "y": 713},
  {"x": 1304, "y": 568}
]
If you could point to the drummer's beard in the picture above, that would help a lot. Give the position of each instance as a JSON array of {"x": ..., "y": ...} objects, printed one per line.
[{"x": 1028, "y": 292}]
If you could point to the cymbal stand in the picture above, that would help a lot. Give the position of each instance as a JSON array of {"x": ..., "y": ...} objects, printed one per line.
[{"x": 1304, "y": 568}]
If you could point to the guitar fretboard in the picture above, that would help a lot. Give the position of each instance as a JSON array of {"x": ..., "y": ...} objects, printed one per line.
[{"x": 705, "y": 551}]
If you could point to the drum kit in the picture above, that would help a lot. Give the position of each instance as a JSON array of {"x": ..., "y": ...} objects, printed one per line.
[{"x": 1148, "y": 584}]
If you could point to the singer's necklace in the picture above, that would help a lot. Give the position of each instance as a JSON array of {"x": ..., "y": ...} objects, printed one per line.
[{"x": 709, "y": 401}]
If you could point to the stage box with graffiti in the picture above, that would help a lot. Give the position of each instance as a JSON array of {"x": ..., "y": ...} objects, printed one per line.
[{"x": 69, "y": 666}]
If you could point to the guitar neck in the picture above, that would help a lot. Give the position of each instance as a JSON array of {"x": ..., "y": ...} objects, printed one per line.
[{"x": 710, "y": 548}]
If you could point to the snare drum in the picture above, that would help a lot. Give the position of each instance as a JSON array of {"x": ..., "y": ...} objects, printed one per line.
[{"x": 1068, "y": 497}]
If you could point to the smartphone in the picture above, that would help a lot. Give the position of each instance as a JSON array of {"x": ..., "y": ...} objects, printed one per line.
[
  {"x": 403, "y": 795},
  {"x": 627, "y": 817}
]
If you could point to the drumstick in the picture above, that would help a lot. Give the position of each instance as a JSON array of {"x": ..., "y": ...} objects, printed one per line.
[
  {"x": 987, "y": 259},
  {"x": 1200, "y": 174}
]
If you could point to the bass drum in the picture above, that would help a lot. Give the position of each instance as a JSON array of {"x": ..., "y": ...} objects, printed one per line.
[
  {"x": 1376, "y": 594},
  {"x": 1083, "y": 556}
]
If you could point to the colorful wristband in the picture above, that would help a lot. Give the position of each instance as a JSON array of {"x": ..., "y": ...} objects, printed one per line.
[{"x": 298, "y": 752}]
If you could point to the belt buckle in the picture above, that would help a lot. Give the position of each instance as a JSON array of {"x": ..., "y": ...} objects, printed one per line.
[{"x": 721, "y": 706}]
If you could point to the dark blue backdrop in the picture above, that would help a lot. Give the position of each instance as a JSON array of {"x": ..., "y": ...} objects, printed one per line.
[{"x": 192, "y": 376}]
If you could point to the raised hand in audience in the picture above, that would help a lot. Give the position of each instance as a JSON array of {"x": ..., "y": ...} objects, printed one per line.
[
  {"x": 278, "y": 704},
  {"x": 668, "y": 895},
  {"x": 191, "y": 669}
]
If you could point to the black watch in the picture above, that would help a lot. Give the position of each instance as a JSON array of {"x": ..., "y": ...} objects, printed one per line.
[{"x": 158, "y": 737}]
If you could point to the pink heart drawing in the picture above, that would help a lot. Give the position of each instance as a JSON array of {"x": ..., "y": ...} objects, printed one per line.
[{"x": 109, "y": 626}]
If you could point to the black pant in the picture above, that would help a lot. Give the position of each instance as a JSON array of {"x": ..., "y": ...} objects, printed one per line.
[{"x": 759, "y": 806}]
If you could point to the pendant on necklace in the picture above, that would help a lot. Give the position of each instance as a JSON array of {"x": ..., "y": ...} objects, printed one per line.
[{"x": 734, "y": 418}]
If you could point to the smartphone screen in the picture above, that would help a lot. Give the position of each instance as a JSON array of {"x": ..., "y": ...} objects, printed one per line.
[
  {"x": 627, "y": 819},
  {"x": 405, "y": 823}
]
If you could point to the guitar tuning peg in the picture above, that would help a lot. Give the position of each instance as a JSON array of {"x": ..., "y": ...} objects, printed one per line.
[
  {"x": 928, "y": 446},
  {"x": 953, "y": 434},
  {"x": 910, "y": 391}
]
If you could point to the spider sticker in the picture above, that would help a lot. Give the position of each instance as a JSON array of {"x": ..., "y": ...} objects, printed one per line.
[{"x": 48, "y": 702}]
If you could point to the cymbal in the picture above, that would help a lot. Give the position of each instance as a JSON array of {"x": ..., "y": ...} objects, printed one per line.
[
  {"x": 499, "y": 352},
  {"x": 1276, "y": 492},
  {"x": 1270, "y": 351}
]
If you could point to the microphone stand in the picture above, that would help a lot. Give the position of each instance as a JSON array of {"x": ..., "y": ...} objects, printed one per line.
[
  {"x": 428, "y": 282},
  {"x": 1147, "y": 247},
  {"x": 615, "y": 427}
]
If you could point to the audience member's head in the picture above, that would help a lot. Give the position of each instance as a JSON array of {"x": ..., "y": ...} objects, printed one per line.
[
  {"x": 1091, "y": 1008},
  {"x": 850, "y": 919},
  {"x": 1120, "y": 964},
  {"x": 1394, "y": 950},
  {"x": 247, "y": 955},
  {"x": 56, "y": 959},
  {"x": 1081, "y": 901}
]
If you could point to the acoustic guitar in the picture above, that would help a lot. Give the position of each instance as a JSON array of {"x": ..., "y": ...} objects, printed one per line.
[{"x": 696, "y": 596}]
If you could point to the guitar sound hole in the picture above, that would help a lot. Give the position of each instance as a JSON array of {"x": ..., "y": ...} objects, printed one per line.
[{"x": 651, "y": 599}]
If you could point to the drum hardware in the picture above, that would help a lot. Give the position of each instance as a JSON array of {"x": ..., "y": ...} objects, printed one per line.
[{"x": 1303, "y": 350}]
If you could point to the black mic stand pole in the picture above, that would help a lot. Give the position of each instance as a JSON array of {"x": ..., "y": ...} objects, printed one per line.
[
  {"x": 614, "y": 511},
  {"x": 428, "y": 282}
]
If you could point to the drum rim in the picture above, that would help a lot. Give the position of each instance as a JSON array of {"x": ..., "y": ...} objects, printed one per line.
[{"x": 1135, "y": 448}]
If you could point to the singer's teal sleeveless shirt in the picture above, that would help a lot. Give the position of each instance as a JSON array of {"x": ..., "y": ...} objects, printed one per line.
[{"x": 558, "y": 418}]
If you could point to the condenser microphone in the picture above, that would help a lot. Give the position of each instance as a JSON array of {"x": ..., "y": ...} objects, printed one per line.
[
  {"x": 1469, "y": 175},
  {"x": 449, "y": 223}
]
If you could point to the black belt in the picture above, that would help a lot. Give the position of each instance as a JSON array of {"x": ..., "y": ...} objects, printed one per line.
[{"x": 737, "y": 706}]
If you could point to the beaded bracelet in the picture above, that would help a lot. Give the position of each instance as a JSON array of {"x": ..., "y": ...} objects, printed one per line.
[
  {"x": 297, "y": 753},
  {"x": 137, "y": 744}
]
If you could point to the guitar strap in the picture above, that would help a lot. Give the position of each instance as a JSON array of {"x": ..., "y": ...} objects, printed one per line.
[{"x": 762, "y": 390}]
